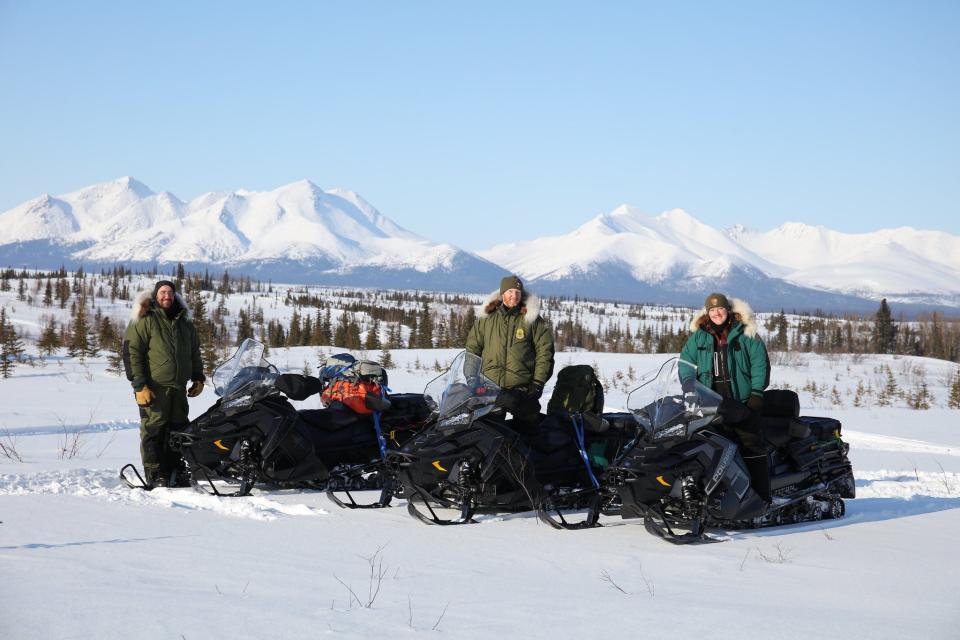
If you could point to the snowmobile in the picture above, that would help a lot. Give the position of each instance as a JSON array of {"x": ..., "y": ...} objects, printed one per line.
[
  {"x": 253, "y": 434},
  {"x": 685, "y": 470},
  {"x": 474, "y": 459}
]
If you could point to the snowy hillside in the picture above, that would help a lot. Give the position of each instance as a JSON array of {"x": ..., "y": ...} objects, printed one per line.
[
  {"x": 84, "y": 557},
  {"x": 297, "y": 232}
]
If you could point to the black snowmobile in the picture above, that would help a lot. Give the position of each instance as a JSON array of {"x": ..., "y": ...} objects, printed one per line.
[
  {"x": 254, "y": 435},
  {"x": 476, "y": 460},
  {"x": 685, "y": 471}
]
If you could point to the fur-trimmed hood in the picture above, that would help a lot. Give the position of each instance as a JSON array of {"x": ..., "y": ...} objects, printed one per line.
[
  {"x": 144, "y": 301},
  {"x": 529, "y": 305},
  {"x": 739, "y": 309}
]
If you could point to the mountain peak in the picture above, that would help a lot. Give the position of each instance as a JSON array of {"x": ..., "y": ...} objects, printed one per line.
[{"x": 132, "y": 184}]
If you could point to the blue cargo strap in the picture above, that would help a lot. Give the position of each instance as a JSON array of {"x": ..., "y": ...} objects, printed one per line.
[
  {"x": 578, "y": 428},
  {"x": 381, "y": 442}
]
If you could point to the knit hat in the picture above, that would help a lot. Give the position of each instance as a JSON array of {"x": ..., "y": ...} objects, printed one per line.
[
  {"x": 510, "y": 282},
  {"x": 163, "y": 283},
  {"x": 716, "y": 300}
]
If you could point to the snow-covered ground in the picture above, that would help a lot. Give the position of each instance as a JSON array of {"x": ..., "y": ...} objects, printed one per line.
[{"x": 83, "y": 557}]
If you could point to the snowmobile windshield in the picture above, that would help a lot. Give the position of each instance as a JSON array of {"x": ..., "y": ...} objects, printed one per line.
[
  {"x": 661, "y": 406},
  {"x": 462, "y": 393},
  {"x": 245, "y": 376}
]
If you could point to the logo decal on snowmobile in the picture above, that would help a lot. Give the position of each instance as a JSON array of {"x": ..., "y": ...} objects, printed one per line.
[
  {"x": 436, "y": 463},
  {"x": 662, "y": 481},
  {"x": 219, "y": 445}
]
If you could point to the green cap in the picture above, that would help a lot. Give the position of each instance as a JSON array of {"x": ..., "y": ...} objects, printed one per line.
[
  {"x": 510, "y": 282},
  {"x": 716, "y": 300}
]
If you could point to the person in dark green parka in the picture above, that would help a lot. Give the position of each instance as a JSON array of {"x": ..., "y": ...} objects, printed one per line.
[
  {"x": 730, "y": 358},
  {"x": 161, "y": 353},
  {"x": 515, "y": 344}
]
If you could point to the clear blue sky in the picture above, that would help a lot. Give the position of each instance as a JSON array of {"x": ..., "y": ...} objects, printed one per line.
[{"x": 483, "y": 122}]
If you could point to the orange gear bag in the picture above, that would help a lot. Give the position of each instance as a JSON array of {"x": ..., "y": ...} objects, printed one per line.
[{"x": 351, "y": 393}]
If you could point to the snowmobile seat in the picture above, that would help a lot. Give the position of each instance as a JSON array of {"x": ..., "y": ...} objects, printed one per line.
[
  {"x": 331, "y": 419},
  {"x": 779, "y": 431},
  {"x": 781, "y": 403}
]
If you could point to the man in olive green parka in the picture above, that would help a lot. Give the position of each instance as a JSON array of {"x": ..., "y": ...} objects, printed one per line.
[
  {"x": 161, "y": 353},
  {"x": 515, "y": 344}
]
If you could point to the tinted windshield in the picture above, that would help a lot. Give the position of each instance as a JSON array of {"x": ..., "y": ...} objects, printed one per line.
[
  {"x": 462, "y": 387},
  {"x": 659, "y": 401},
  {"x": 245, "y": 372}
]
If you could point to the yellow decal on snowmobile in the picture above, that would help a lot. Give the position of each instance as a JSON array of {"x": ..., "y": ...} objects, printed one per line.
[
  {"x": 393, "y": 436},
  {"x": 436, "y": 463},
  {"x": 520, "y": 333},
  {"x": 662, "y": 481},
  {"x": 220, "y": 446}
]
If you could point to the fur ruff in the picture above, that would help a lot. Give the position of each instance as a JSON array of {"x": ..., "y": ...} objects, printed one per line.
[
  {"x": 740, "y": 310},
  {"x": 529, "y": 305},
  {"x": 141, "y": 305}
]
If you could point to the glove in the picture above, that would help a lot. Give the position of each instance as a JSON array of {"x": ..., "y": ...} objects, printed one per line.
[
  {"x": 509, "y": 400},
  {"x": 755, "y": 403},
  {"x": 195, "y": 389},
  {"x": 688, "y": 385},
  {"x": 535, "y": 390},
  {"x": 144, "y": 396}
]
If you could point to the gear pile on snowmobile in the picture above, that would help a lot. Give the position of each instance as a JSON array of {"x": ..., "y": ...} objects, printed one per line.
[{"x": 453, "y": 454}]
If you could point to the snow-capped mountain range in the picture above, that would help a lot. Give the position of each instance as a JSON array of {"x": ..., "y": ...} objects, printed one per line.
[
  {"x": 673, "y": 255},
  {"x": 301, "y": 233},
  {"x": 297, "y": 233}
]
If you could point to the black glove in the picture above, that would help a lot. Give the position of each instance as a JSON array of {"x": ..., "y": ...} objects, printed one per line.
[
  {"x": 756, "y": 404},
  {"x": 535, "y": 390},
  {"x": 688, "y": 385},
  {"x": 733, "y": 411},
  {"x": 509, "y": 400}
]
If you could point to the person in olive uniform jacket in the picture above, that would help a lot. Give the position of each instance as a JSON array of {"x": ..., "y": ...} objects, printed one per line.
[
  {"x": 515, "y": 346},
  {"x": 732, "y": 360},
  {"x": 161, "y": 353}
]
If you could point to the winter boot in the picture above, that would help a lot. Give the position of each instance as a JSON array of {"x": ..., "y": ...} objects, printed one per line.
[
  {"x": 154, "y": 478},
  {"x": 759, "y": 475}
]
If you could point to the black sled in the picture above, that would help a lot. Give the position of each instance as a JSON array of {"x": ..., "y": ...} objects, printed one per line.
[
  {"x": 254, "y": 435},
  {"x": 474, "y": 460},
  {"x": 685, "y": 473}
]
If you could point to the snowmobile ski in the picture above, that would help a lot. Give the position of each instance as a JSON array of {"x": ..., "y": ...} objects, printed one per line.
[{"x": 138, "y": 483}]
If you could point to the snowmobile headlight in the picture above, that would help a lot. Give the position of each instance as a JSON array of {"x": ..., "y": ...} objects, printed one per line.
[
  {"x": 455, "y": 421},
  {"x": 675, "y": 431},
  {"x": 237, "y": 403}
]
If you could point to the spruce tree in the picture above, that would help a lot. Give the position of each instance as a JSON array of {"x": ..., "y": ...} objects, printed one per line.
[
  {"x": 884, "y": 330},
  {"x": 425, "y": 328},
  {"x": 49, "y": 341},
  {"x": 79, "y": 345},
  {"x": 11, "y": 346},
  {"x": 372, "y": 340},
  {"x": 953, "y": 401}
]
